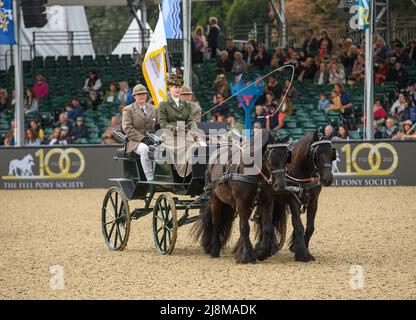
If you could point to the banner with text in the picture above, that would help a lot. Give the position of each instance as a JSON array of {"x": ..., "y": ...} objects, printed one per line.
[
  {"x": 72, "y": 167},
  {"x": 375, "y": 163}
]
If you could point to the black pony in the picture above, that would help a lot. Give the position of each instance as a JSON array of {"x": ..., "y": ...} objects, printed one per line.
[
  {"x": 310, "y": 168},
  {"x": 233, "y": 193}
]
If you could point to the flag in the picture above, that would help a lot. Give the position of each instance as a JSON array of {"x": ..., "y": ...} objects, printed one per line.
[
  {"x": 171, "y": 10},
  {"x": 6, "y": 22},
  {"x": 154, "y": 64},
  {"x": 363, "y": 14}
]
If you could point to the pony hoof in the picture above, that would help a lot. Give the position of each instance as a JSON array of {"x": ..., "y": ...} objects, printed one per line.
[
  {"x": 304, "y": 257},
  {"x": 261, "y": 254},
  {"x": 215, "y": 255}
]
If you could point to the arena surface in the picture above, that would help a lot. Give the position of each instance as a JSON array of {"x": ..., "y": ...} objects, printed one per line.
[{"x": 371, "y": 227}]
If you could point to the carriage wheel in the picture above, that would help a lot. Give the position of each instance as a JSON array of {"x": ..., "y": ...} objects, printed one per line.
[
  {"x": 165, "y": 224},
  {"x": 115, "y": 219},
  {"x": 283, "y": 228}
]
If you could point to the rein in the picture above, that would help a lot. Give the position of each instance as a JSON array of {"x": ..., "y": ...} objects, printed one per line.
[{"x": 313, "y": 179}]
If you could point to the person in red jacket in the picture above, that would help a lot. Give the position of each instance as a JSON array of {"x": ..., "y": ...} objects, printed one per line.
[{"x": 40, "y": 88}]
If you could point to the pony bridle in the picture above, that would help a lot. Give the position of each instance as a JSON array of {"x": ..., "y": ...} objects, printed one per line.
[
  {"x": 270, "y": 148},
  {"x": 314, "y": 150}
]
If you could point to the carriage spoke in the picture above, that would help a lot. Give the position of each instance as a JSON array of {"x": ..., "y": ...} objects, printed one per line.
[
  {"x": 114, "y": 206},
  {"x": 119, "y": 233},
  {"x": 163, "y": 238},
  {"x": 164, "y": 244},
  {"x": 167, "y": 228},
  {"x": 117, "y": 211},
  {"x": 111, "y": 214},
  {"x": 111, "y": 231},
  {"x": 116, "y": 236},
  {"x": 158, "y": 230},
  {"x": 163, "y": 221}
]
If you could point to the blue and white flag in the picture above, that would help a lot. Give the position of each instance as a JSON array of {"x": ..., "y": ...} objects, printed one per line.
[
  {"x": 172, "y": 13},
  {"x": 363, "y": 14},
  {"x": 6, "y": 22}
]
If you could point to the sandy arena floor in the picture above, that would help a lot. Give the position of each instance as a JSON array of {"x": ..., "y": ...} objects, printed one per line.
[{"x": 371, "y": 227}]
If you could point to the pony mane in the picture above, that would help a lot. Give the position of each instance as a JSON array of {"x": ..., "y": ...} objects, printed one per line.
[{"x": 302, "y": 147}]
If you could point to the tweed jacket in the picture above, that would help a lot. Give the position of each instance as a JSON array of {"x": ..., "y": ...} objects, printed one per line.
[{"x": 136, "y": 124}]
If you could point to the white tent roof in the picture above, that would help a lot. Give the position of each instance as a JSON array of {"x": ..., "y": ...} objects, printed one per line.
[
  {"x": 132, "y": 38},
  {"x": 53, "y": 38}
]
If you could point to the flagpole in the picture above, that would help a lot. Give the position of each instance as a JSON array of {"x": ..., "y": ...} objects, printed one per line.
[
  {"x": 169, "y": 69},
  {"x": 369, "y": 87},
  {"x": 18, "y": 76}
]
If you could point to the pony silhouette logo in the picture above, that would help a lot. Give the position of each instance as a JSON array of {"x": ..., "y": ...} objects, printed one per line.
[
  {"x": 53, "y": 163},
  {"x": 22, "y": 167}
]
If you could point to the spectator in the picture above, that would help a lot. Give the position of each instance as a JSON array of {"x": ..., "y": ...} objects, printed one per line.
[
  {"x": 349, "y": 55},
  {"x": 53, "y": 139},
  {"x": 309, "y": 70},
  {"x": 12, "y": 101},
  {"x": 187, "y": 95},
  {"x": 234, "y": 126},
  {"x": 323, "y": 103},
  {"x": 31, "y": 138},
  {"x": 108, "y": 137},
  {"x": 213, "y": 36},
  {"x": 225, "y": 63},
  {"x": 382, "y": 74},
  {"x": 93, "y": 86},
  {"x": 39, "y": 131},
  {"x": 262, "y": 58},
  {"x": 379, "y": 114},
  {"x": 63, "y": 121},
  {"x": 279, "y": 54},
  {"x": 342, "y": 134},
  {"x": 259, "y": 116},
  {"x": 335, "y": 103},
  {"x": 322, "y": 75},
  {"x": 124, "y": 95},
  {"x": 79, "y": 130},
  {"x": 329, "y": 132},
  {"x": 73, "y": 113},
  {"x": 222, "y": 86},
  {"x": 257, "y": 126},
  {"x": 231, "y": 49},
  {"x": 65, "y": 138},
  {"x": 10, "y": 140},
  {"x": 220, "y": 118},
  {"x": 346, "y": 99},
  {"x": 239, "y": 65},
  {"x": 41, "y": 88},
  {"x": 4, "y": 103},
  {"x": 399, "y": 76},
  {"x": 381, "y": 50},
  {"x": 409, "y": 112},
  {"x": 274, "y": 86},
  {"x": 222, "y": 107},
  {"x": 336, "y": 74},
  {"x": 77, "y": 107},
  {"x": 325, "y": 44},
  {"x": 398, "y": 107},
  {"x": 251, "y": 53},
  {"x": 358, "y": 70},
  {"x": 412, "y": 53},
  {"x": 392, "y": 129},
  {"x": 31, "y": 103},
  {"x": 310, "y": 45},
  {"x": 407, "y": 133},
  {"x": 111, "y": 95},
  {"x": 399, "y": 55},
  {"x": 274, "y": 119},
  {"x": 411, "y": 90},
  {"x": 290, "y": 89},
  {"x": 292, "y": 57},
  {"x": 287, "y": 107},
  {"x": 200, "y": 44}
]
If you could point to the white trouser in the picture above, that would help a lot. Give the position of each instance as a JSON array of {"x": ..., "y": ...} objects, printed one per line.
[{"x": 143, "y": 151}]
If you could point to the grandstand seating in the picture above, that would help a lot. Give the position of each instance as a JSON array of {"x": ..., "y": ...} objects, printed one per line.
[{"x": 66, "y": 77}]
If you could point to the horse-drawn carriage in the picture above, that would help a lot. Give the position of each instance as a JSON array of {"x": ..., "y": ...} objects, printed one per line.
[{"x": 169, "y": 212}]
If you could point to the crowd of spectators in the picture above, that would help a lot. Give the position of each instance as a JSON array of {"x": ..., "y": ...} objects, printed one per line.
[{"x": 319, "y": 60}]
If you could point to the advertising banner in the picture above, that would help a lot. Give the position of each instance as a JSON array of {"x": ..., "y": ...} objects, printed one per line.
[
  {"x": 375, "y": 163},
  {"x": 69, "y": 167}
]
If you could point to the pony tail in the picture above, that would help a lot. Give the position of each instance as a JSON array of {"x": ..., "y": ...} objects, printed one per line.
[
  {"x": 280, "y": 223},
  {"x": 202, "y": 230}
]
